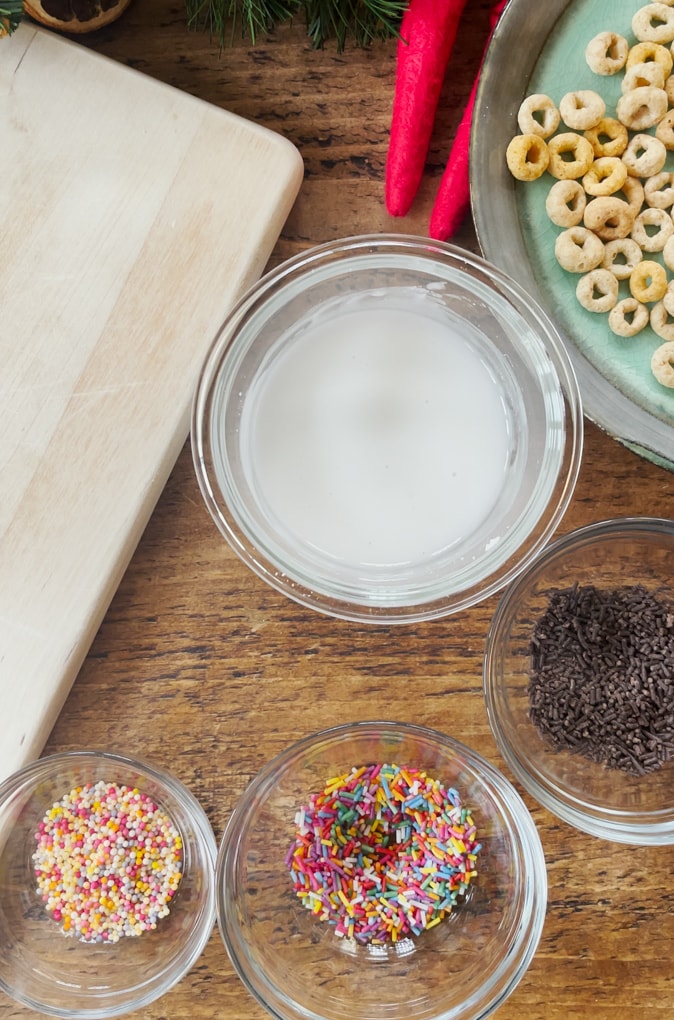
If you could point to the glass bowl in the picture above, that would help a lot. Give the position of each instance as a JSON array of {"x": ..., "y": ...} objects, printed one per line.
[
  {"x": 295, "y": 964},
  {"x": 387, "y": 429},
  {"x": 64, "y": 975},
  {"x": 567, "y": 735}
]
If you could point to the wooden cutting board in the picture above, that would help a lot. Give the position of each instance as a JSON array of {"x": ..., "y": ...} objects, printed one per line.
[{"x": 132, "y": 216}]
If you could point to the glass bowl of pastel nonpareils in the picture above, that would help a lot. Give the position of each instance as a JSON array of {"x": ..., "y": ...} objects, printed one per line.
[
  {"x": 380, "y": 870},
  {"x": 579, "y": 679},
  {"x": 106, "y": 884}
]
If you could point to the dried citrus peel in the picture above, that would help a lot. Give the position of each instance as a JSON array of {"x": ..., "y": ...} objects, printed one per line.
[{"x": 75, "y": 16}]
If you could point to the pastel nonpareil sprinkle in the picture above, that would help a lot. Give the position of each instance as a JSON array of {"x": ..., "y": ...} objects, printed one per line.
[
  {"x": 383, "y": 853},
  {"x": 108, "y": 862}
]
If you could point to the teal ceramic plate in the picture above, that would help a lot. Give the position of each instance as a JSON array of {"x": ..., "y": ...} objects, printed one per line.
[{"x": 540, "y": 47}]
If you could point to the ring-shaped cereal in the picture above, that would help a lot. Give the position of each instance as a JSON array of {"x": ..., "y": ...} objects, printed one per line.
[
  {"x": 582, "y": 110},
  {"x": 645, "y": 73},
  {"x": 628, "y": 317},
  {"x": 668, "y": 298},
  {"x": 664, "y": 132},
  {"x": 565, "y": 203},
  {"x": 648, "y": 282},
  {"x": 664, "y": 228},
  {"x": 609, "y": 217},
  {"x": 578, "y": 250},
  {"x": 668, "y": 254},
  {"x": 644, "y": 155},
  {"x": 643, "y": 52},
  {"x": 597, "y": 291},
  {"x": 659, "y": 190},
  {"x": 621, "y": 256},
  {"x": 642, "y": 108},
  {"x": 633, "y": 193},
  {"x": 654, "y": 23},
  {"x": 662, "y": 324},
  {"x": 527, "y": 157},
  {"x": 606, "y": 53},
  {"x": 662, "y": 364},
  {"x": 538, "y": 115},
  {"x": 608, "y": 138},
  {"x": 581, "y": 153},
  {"x": 606, "y": 176},
  {"x": 669, "y": 89}
]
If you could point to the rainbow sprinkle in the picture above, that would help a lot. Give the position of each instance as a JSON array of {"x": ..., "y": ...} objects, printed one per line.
[
  {"x": 107, "y": 863},
  {"x": 382, "y": 853}
]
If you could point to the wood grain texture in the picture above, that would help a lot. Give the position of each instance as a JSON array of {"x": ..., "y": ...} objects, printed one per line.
[
  {"x": 122, "y": 254},
  {"x": 201, "y": 668}
]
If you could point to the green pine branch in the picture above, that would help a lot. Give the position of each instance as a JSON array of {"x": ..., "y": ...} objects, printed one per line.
[
  {"x": 360, "y": 20},
  {"x": 11, "y": 13},
  {"x": 226, "y": 19},
  {"x": 341, "y": 20},
  {"x": 363, "y": 20}
]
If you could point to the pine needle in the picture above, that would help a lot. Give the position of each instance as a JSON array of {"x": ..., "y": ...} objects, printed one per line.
[
  {"x": 227, "y": 18},
  {"x": 11, "y": 13},
  {"x": 364, "y": 20},
  {"x": 339, "y": 20}
]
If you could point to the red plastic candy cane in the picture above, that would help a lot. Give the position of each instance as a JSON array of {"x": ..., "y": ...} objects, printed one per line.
[
  {"x": 427, "y": 31},
  {"x": 453, "y": 197}
]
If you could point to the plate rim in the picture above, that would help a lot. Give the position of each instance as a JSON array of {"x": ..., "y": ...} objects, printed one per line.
[{"x": 523, "y": 29}]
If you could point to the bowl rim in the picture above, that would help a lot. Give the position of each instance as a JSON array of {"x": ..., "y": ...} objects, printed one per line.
[
  {"x": 533, "y": 901},
  {"x": 148, "y": 991},
  {"x": 379, "y": 611},
  {"x": 654, "y": 828}
]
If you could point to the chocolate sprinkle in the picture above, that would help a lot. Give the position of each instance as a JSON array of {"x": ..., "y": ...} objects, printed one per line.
[{"x": 602, "y": 676}]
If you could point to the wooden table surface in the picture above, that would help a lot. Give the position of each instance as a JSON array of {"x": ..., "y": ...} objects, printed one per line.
[{"x": 201, "y": 668}]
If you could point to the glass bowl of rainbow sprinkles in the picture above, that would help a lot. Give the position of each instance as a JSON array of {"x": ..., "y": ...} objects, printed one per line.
[
  {"x": 106, "y": 884},
  {"x": 380, "y": 870}
]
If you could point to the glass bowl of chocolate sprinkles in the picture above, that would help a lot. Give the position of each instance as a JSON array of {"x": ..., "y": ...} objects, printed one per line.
[
  {"x": 579, "y": 679},
  {"x": 380, "y": 870},
  {"x": 106, "y": 884}
]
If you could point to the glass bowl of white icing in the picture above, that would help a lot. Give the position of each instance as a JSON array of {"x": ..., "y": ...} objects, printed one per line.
[{"x": 387, "y": 429}]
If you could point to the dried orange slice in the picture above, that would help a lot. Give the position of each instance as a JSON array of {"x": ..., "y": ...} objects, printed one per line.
[{"x": 76, "y": 16}]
